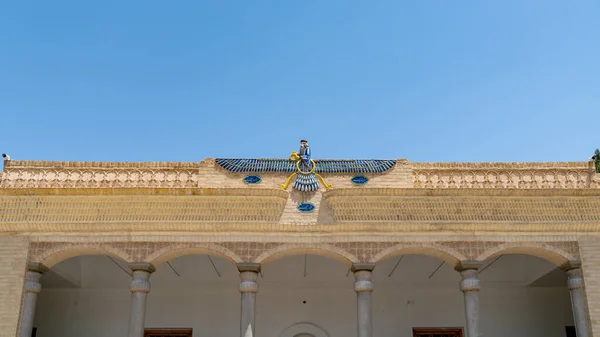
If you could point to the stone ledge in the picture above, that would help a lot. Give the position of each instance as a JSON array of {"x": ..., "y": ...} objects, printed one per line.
[{"x": 257, "y": 229}]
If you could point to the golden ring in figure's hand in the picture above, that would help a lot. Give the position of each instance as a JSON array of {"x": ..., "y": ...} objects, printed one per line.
[
  {"x": 294, "y": 156},
  {"x": 312, "y": 169}
]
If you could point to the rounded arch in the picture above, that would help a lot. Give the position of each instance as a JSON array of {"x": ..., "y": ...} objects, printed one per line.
[
  {"x": 297, "y": 249},
  {"x": 450, "y": 256},
  {"x": 545, "y": 251},
  {"x": 303, "y": 328},
  {"x": 61, "y": 253},
  {"x": 172, "y": 252}
]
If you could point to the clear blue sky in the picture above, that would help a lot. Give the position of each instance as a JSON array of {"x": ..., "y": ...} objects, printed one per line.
[{"x": 184, "y": 80}]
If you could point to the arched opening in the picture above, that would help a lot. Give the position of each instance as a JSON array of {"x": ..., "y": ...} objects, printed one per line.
[
  {"x": 314, "y": 289},
  {"x": 86, "y": 294},
  {"x": 89, "y": 295},
  {"x": 528, "y": 292},
  {"x": 62, "y": 253},
  {"x": 201, "y": 289},
  {"x": 416, "y": 287},
  {"x": 521, "y": 295},
  {"x": 170, "y": 253},
  {"x": 283, "y": 251},
  {"x": 441, "y": 253},
  {"x": 543, "y": 251}
]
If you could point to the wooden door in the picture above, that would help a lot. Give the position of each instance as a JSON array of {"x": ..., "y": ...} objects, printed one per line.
[
  {"x": 437, "y": 332},
  {"x": 168, "y": 333}
]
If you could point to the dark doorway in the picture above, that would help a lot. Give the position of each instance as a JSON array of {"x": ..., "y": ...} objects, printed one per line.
[
  {"x": 437, "y": 332},
  {"x": 168, "y": 333}
]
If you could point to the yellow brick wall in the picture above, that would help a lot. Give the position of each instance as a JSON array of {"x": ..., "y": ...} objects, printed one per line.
[
  {"x": 589, "y": 247},
  {"x": 13, "y": 259}
]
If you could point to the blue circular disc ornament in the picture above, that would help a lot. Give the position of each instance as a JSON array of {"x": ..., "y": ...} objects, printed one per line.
[
  {"x": 306, "y": 207},
  {"x": 359, "y": 180},
  {"x": 252, "y": 179}
]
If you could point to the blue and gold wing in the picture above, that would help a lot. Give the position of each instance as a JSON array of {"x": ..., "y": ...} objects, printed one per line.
[
  {"x": 257, "y": 165},
  {"x": 323, "y": 166},
  {"x": 354, "y": 166}
]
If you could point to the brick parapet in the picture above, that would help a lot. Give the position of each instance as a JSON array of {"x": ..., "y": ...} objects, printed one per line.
[
  {"x": 550, "y": 175},
  {"x": 500, "y": 165},
  {"x": 52, "y": 174}
]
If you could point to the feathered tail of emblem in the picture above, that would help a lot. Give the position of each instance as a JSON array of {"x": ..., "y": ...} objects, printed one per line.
[{"x": 306, "y": 182}]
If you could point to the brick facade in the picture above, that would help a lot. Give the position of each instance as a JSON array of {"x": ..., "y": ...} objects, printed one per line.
[
  {"x": 154, "y": 212},
  {"x": 13, "y": 258}
]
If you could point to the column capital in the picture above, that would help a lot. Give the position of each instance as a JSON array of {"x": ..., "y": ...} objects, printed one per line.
[
  {"x": 468, "y": 272},
  {"x": 142, "y": 266},
  {"x": 140, "y": 279},
  {"x": 31, "y": 289},
  {"x": 249, "y": 275},
  {"x": 36, "y": 267},
  {"x": 32, "y": 277},
  {"x": 571, "y": 264},
  {"x": 363, "y": 272},
  {"x": 468, "y": 265},
  {"x": 248, "y": 266},
  {"x": 362, "y": 266},
  {"x": 574, "y": 275}
]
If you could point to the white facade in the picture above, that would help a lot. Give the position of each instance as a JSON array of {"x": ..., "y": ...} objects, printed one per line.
[{"x": 521, "y": 296}]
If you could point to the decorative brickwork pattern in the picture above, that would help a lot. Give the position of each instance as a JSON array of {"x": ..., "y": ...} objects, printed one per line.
[
  {"x": 502, "y": 175},
  {"x": 364, "y": 251},
  {"x": 45, "y": 174},
  {"x": 473, "y": 249},
  {"x": 387, "y": 205},
  {"x": 336, "y": 252},
  {"x": 259, "y": 205},
  {"x": 34, "y": 174},
  {"x": 249, "y": 251},
  {"x": 50, "y": 253},
  {"x": 175, "y": 250},
  {"x": 558, "y": 253}
]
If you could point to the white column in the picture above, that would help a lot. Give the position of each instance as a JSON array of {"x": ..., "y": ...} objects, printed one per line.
[
  {"x": 577, "y": 291},
  {"x": 363, "y": 273},
  {"x": 31, "y": 290},
  {"x": 248, "y": 289},
  {"x": 470, "y": 287},
  {"x": 140, "y": 287}
]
